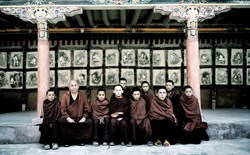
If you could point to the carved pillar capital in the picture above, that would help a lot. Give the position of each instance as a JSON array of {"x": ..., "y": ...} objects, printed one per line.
[{"x": 41, "y": 11}]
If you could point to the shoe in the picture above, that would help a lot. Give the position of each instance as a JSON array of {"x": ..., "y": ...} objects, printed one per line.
[
  {"x": 150, "y": 143},
  {"x": 46, "y": 147},
  {"x": 158, "y": 143},
  {"x": 105, "y": 143},
  {"x": 55, "y": 146},
  {"x": 166, "y": 143},
  {"x": 81, "y": 144},
  {"x": 112, "y": 144},
  {"x": 95, "y": 143},
  {"x": 66, "y": 145},
  {"x": 122, "y": 144},
  {"x": 129, "y": 144}
]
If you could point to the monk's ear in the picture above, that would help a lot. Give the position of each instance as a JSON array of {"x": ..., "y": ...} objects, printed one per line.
[
  {"x": 122, "y": 91},
  {"x": 113, "y": 91}
]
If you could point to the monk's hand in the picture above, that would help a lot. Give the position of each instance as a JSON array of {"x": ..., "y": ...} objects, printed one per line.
[
  {"x": 175, "y": 119},
  {"x": 82, "y": 120},
  {"x": 70, "y": 120}
]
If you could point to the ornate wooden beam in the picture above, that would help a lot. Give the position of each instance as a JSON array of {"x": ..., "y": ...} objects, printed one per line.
[
  {"x": 105, "y": 17},
  {"x": 123, "y": 17},
  {"x": 79, "y": 20},
  {"x": 136, "y": 17},
  {"x": 90, "y": 17}
]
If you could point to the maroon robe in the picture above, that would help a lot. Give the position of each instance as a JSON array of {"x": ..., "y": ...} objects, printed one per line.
[
  {"x": 148, "y": 98},
  {"x": 139, "y": 114},
  {"x": 100, "y": 109}
]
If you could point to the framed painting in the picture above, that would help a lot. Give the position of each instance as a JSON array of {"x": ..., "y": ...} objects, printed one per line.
[
  {"x": 236, "y": 76},
  {"x": 221, "y": 76},
  {"x": 143, "y": 57},
  {"x": 129, "y": 75},
  {"x": 206, "y": 76},
  {"x": 159, "y": 58},
  {"x": 3, "y": 80},
  {"x": 111, "y": 76},
  {"x": 205, "y": 57},
  {"x": 52, "y": 78},
  {"x": 80, "y": 75},
  {"x": 16, "y": 60},
  {"x": 174, "y": 58},
  {"x": 96, "y": 77},
  {"x": 52, "y": 59},
  {"x": 221, "y": 57},
  {"x": 111, "y": 57},
  {"x": 128, "y": 57},
  {"x": 15, "y": 79},
  {"x": 248, "y": 57},
  {"x": 80, "y": 58},
  {"x": 64, "y": 58},
  {"x": 159, "y": 77},
  {"x": 3, "y": 60},
  {"x": 31, "y": 79},
  {"x": 175, "y": 76},
  {"x": 96, "y": 58},
  {"x": 142, "y": 75},
  {"x": 63, "y": 78},
  {"x": 236, "y": 57},
  {"x": 248, "y": 76},
  {"x": 31, "y": 60}
]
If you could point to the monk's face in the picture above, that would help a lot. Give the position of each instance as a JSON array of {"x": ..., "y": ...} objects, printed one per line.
[
  {"x": 162, "y": 94},
  {"x": 136, "y": 95},
  {"x": 145, "y": 87},
  {"x": 169, "y": 86},
  {"x": 118, "y": 91},
  {"x": 123, "y": 83},
  {"x": 188, "y": 92},
  {"x": 101, "y": 95},
  {"x": 73, "y": 86},
  {"x": 51, "y": 96}
]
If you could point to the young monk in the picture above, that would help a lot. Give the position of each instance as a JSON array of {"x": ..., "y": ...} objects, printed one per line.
[
  {"x": 75, "y": 124},
  {"x": 49, "y": 131},
  {"x": 101, "y": 117},
  {"x": 193, "y": 129},
  {"x": 126, "y": 90},
  {"x": 140, "y": 126},
  {"x": 163, "y": 120},
  {"x": 147, "y": 94},
  {"x": 119, "y": 112}
]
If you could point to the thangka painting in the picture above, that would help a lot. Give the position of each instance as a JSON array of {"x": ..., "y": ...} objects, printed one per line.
[
  {"x": 143, "y": 57},
  {"x": 159, "y": 58},
  {"x": 174, "y": 58},
  {"x": 206, "y": 76},
  {"x": 142, "y": 75},
  {"x": 16, "y": 60},
  {"x": 80, "y": 58},
  {"x": 236, "y": 76},
  {"x": 248, "y": 76},
  {"x": 14, "y": 79},
  {"x": 221, "y": 76},
  {"x": 52, "y": 78},
  {"x": 80, "y": 75},
  {"x": 31, "y": 60},
  {"x": 31, "y": 79},
  {"x": 175, "y": 76},
  {"x": 3, "y": 60},
  {"x": 96, "y": 58},
  {"x": 236, "y": 57},
  {"x": 111, "y": 57},
  {"x": 128, "y": 57},
  {"x": 63, "y": 78},
  {"x": 205, "y": 57},
  {"x": 96, "y": 77},
  {"x": 64, "y": 58},
  {"x": 52, "y": 59},
  {"x": 221, "y": 57},
  {"x": 129, "y": 75},
  {"x": 248, "y": 57},
  {"x": 159, "y": 77},
  {"x": 3, "y": 80},
  {"x": 111, "y": 76}
]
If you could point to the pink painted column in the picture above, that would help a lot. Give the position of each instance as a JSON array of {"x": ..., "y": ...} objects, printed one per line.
[
  {"x": 43, "y": 65},
  {"x": 192, "y": 52}
]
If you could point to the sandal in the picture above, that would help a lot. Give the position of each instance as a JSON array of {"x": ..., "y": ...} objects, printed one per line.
[
  {"x": 158, "y": 143},
  {"x": 166, "y": 143}
]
